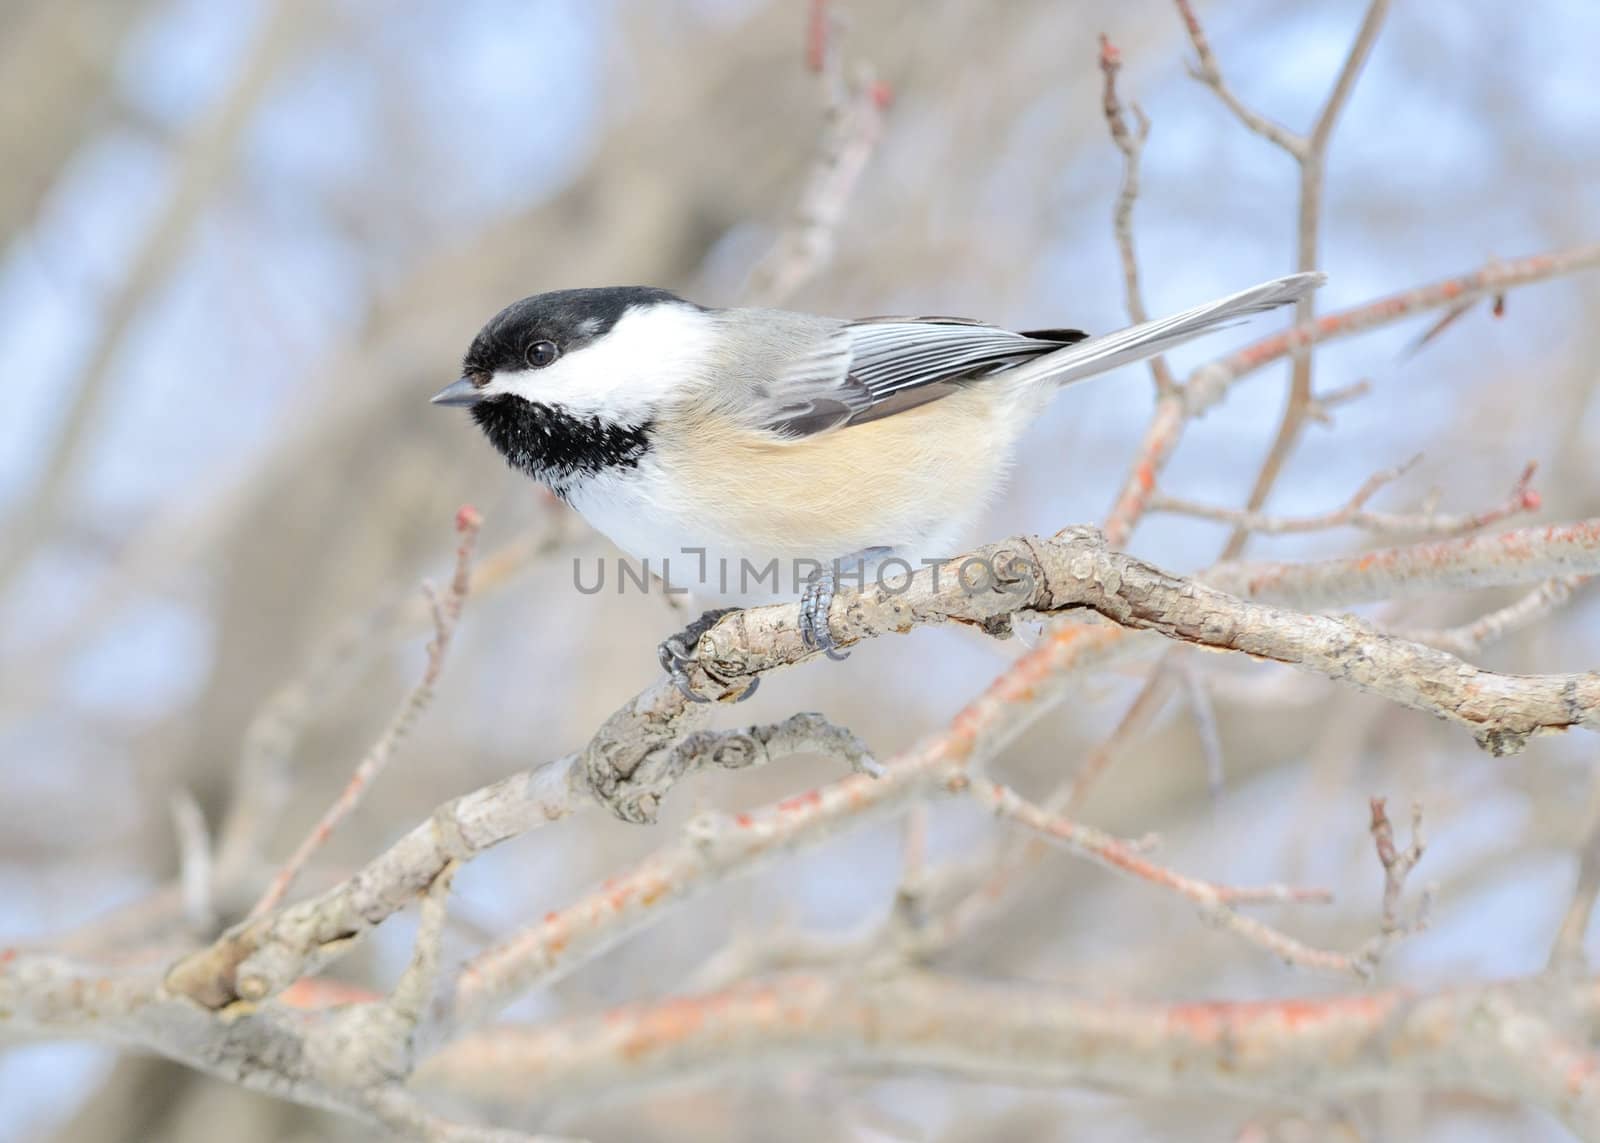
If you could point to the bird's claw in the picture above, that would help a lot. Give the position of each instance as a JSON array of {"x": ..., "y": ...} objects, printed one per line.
[
  {"x": 814, "y": 604},
  {"x": 676, "y": 652}
]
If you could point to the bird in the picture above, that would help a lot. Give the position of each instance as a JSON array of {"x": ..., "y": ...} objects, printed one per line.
[{"x": 738, "y": 440}]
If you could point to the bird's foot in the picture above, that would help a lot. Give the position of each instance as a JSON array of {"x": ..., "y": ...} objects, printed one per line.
[
  {"x": 814, "y": 604},
  {"x": 678, "y": 651}
]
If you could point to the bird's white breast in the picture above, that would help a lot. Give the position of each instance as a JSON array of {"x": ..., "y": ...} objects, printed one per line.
[{"x": 715, "y": 503}]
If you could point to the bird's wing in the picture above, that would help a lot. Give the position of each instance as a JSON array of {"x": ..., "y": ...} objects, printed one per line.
[
  {"x": 873, "y": 367},
  {"x": 878, "y": 366}
]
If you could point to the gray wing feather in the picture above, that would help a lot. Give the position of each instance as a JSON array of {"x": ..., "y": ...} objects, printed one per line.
[
  {"x": 875, "y": 367},
  {"x": 868, "y": 369}
]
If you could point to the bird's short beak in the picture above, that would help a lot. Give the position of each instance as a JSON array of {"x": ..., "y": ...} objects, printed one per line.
[{"x": 459, "y": 392}]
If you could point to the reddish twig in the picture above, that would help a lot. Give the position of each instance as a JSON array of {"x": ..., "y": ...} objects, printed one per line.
[
  {"x": 1472, "y": 1038},
  {"x": 1353, "y": 514},
  {"x": 1504, "y": 559},
  {"x": 1150, "y": 699},
  {"x": 1203, "y": 712},
  {"x": 1155, "y": 450},
  {"x": 1209, "y": 383},
  {"x": 446, "y": 615},
  {"x": 852, "y": 129},
  {"x": 1566, "y": 955},
  {"x": 1497, "y": 624},
  {"x": 818, "y": 33},
  {"x": 1397, "y": 866},
  {"x": 1217, "y": 902},
  {"x": 1131, "y": 144},
  {"x": 1209, "y": 73},
  {"x": 1310, "y": 152}
]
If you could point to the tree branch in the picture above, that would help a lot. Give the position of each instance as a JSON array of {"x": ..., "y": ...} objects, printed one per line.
[{"x": 1472, "y": 1039}]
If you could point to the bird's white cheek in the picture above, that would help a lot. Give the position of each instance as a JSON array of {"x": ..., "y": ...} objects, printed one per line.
[
  {"x": 651, "y": 354},
  {"x": 583, "y": 386},
  {"x": 529, "y": 384}
]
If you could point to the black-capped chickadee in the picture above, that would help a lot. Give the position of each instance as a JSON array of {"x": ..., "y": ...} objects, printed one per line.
[{"x": 755, "y": 438}]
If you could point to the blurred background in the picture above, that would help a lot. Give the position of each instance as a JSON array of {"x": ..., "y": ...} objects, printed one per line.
[{"x": 243, "y": 241}]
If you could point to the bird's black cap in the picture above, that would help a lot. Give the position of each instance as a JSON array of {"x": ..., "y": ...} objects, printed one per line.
[{"x": 568, "y": 318}]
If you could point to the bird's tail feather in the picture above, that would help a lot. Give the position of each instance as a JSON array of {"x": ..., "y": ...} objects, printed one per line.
[{"x": 1137, "y": 342}]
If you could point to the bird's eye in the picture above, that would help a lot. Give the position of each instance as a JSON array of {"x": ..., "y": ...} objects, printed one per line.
[{"x": 542, "y": 353}]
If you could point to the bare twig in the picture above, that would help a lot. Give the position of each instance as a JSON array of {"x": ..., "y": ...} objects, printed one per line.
[
  {"x": 1201, "y": 709},
  {"x": 649, "y": 738},
  {"x": 413, "y": 993},
  {"x": 1354, "y": 514},
  {"x": 1567, "y": 954},
  {"x": 1336, "y": 1046},
  {"x": 1074, "y": 569},
  {"x": 194, "y": 859},
  {"x": 1497, "y": 624},
  {"x": 1507, "y": 559},
  {"x": 1209, "y": 383},
  {"x": 446, "y": 615},
  {"x": 1209, "y": 73},
  {"x": 1149, "y": 700},
  {"x": 1131, "y": 144},
  {"x": 261, "y": 783},
  {"x": 852, "y": 127},
  {"x": 1397, "y": 866},
  {"x": 1217, "y": 902},
  {"x": 1310, "y": 152}
]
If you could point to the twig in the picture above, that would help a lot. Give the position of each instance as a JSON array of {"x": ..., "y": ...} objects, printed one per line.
[
  {"x": 413, "y": 993},
  {"x": 1507, "y": 559},
  {"x": 1496, "y": 625},
  {"x": 400, "y": 1110},
  {"x": 1397, "y": 866},
  {"x": 1131, "y": 144},
  {"x": 852, "y": 128},
  {"x": 1353, "y": 514},
  {"x": 446, "y": 615},
  {"x": 1324, "y": 403},
  {"x": 1310, "y": 152},
  {"x": 1567, "y": 954},
  {"x": 1071, "y": 570},
  {"x": 194, "y": 859},
  {"x": 261, "y": 782},
  {"x": 258, "y": 958},
  {"x": 1337, "y": 1046},
  {"x": 1201, "y": 709},
  {"x": 1150, "y": 699},
  {"x": 1074, "y": 569},
  {"x": 1209, "y": 383},
  {"x": 1208, "y": 73},
  {"x": 819, "y": 35},
  {"x": 1216, "y": 901}
]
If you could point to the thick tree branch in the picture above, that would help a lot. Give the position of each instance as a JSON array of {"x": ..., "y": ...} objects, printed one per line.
[
  {"x": 634, "y": 757},
  {"x": 1076, "y": 570},
  {"x": 1484, "y": 1040},
  {"x": 262, "y": 956}
]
